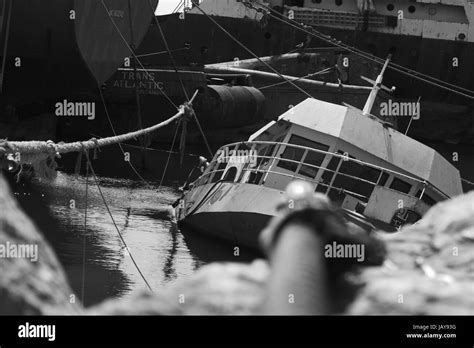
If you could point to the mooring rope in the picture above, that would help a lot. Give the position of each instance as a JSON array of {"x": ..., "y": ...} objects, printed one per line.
[
  {"x": 41, "y": 154},
  {"x": 44, "y": 147},
  {"x": 161, "y": 52},
  {"x": 169, "y": 155},
  {"x": 321, "y": 72},
  {"x": 84, "y": 242},
  {"x": 89, "y": 164}
]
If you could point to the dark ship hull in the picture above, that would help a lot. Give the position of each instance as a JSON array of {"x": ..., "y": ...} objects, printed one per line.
[
  {"x": 60, "y": 49},
  {"x": 445, "y": 116}
]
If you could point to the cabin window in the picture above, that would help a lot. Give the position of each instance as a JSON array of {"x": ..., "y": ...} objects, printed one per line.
[
  {"x": 411, "y": 9},
  {"x": 338, "y": 2},
  {"x": 264, "y": 154},
  {"x": 292, "y": 154},
  {"x": 390, "y": 7},
  {"x": 383, "y": 179},
  {"x": 315, "y": 159},
  {"x": 207, "y": 176},
  {"x": 400, "y": 185},
  {"x": 328, "y": 174},
  {"x": 359, "y": 179},
  {"x": 219, "y": 171},
  {"x": 230, "y": 175},
  {"x": 264, "y": 151},
  {"x": 296, "y": 154},
  {"x": 255, "y": 177}
]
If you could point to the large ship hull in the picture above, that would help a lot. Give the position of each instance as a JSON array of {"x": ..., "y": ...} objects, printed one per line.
[
  {"x": 61, "y": 49},
  {"x": 444, "y": 115}
]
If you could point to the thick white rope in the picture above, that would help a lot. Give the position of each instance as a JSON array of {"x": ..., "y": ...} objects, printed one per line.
[{"x": 45, "y": 147}]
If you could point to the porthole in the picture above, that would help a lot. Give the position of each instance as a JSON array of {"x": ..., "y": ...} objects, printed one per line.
[
  {"x": 338, "y": 2},
  {"x": 411, "y": 9},
  {"x": 390, "y": 7}
]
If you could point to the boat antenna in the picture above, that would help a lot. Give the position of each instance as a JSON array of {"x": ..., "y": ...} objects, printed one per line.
[{"x": 376, "y": 87}]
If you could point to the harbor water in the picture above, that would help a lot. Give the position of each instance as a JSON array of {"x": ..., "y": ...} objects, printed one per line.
[{"x": 95, "y": 259}]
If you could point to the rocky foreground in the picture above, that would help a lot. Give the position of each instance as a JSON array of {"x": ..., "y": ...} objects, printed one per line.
[{"x": 428, "y": 269}]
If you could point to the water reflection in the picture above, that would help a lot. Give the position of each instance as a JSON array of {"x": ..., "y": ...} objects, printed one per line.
[{"x": 94, "y": 257}]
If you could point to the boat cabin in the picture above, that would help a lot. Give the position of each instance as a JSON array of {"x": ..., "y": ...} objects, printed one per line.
[{"x": 363, "y": 165}]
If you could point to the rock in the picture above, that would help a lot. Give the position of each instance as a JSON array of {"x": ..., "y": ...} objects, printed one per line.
[
  {"x": 220, "y": 289},
  {"x": 429, "y": 267},
  {"x": 28, "y": 287}
]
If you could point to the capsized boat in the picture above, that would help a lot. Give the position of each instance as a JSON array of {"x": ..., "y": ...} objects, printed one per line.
[{"x": 377, "y": 177}]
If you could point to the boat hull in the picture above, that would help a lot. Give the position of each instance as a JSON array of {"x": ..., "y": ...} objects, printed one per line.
[
  {"x": 233, "y": 212},
  {"x": 238, "y": 212},
  {"x": 240, "y": 229}
]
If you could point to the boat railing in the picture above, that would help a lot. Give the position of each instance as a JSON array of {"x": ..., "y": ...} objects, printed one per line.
[
  {"x": 294, "y": 176},
  {"x": 259, "y": 159}
]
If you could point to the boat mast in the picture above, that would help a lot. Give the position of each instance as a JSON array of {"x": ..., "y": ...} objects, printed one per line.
[{"x": 377, "y": 85}]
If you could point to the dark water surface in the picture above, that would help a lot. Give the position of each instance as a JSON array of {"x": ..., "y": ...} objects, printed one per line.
[{"x": 95, "y": 259}]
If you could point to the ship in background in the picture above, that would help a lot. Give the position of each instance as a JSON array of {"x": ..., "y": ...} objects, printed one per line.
[
  {"x": 69, "y": 59},
  {"x": 235, "y": 99},
  {"x": 432, "y": 38},
  {"x": 60, "y": 49}
]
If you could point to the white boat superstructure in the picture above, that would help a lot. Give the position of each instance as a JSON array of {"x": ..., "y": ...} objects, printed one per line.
[{"x": 376, "y": 176}]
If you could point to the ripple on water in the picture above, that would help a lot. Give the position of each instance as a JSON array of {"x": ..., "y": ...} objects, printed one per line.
[{"x": 95, "y": 259}]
